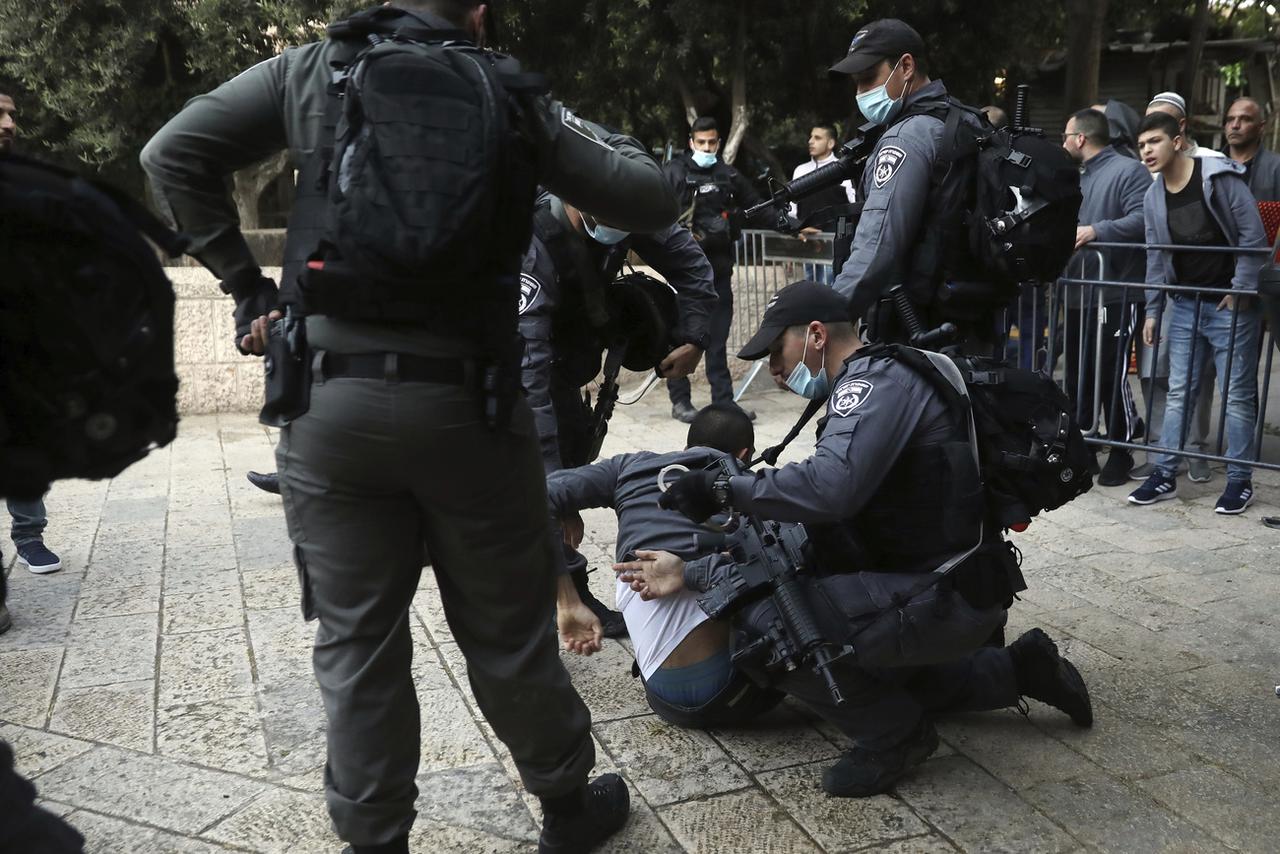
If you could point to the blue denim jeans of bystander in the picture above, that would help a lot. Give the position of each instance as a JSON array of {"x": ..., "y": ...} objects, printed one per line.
[{"x": 1212, "y": 329}]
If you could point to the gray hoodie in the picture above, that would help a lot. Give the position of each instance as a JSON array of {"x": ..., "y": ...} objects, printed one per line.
[
  {"x": 1113, "y": 187},
  {"x": 1233, "y": 208}
]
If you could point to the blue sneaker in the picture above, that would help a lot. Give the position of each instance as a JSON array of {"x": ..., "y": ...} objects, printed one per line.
[
  {"x": 37, "y": 558},
  {"x": 1236, "y": 497},
  {"x": 1155, "y": 488}
]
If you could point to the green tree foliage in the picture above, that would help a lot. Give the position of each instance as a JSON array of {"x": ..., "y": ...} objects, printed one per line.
[{"x": 95, "y": 78}]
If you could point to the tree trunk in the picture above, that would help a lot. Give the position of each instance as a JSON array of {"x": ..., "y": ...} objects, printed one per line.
[
  {"x": 251, "y": 182},
  {"x": 741, "y": 115},
  {"x": 1084, "y": 52},
  {"x": 1195, "y": 52},
  {"x": 686, "y": 98}
]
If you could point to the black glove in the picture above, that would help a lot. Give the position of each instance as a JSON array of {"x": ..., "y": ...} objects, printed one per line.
[
  {"x": 255, "y": 295},
  {"x": 697, "y": 495}
]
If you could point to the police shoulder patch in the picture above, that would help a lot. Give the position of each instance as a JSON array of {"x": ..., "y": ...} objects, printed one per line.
[
  {"x": 888, "y": 160},
  {"x": 849, "y": 395},
  {"x": 530, "y": 287}
]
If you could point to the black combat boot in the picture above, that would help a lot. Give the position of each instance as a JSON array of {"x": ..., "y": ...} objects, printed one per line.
[
  {"x": 684, "y": 411},
  {"x": 579, "y": 821},
  {"x": 1044, "y": 675},
  {"x": 265, "y": 482},
  {"x": 612, "y": 625},
  {"x": 861, "y": 773}
]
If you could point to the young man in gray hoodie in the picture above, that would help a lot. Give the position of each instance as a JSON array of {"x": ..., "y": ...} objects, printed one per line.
[
  {"x": 1202, "y": 202},
  {"x": 1113, "y": 187}
]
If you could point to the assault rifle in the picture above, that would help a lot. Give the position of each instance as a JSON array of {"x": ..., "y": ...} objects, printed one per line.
[
  {"x": 768, "y": 558},
  {"x": 850, "y": 159}
]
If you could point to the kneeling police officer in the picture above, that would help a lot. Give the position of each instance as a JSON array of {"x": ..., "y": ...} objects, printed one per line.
[
  {"x": 892, "y": 500},
  {"x": 415, "y": 432}
]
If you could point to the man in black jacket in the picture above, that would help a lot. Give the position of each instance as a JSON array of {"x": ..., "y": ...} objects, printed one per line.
[{"x": 712, "y": 196}]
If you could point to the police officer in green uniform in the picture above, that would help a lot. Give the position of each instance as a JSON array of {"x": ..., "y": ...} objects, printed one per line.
[{"x": 397, "y": 451}]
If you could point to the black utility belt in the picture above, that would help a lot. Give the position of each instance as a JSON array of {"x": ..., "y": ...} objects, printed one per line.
[{"x": 393, "y": 368}]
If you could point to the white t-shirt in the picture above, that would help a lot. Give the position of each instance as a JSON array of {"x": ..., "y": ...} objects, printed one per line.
[
  {"x": 659, "y": 625},
  {"x": 809, "y": 166}
]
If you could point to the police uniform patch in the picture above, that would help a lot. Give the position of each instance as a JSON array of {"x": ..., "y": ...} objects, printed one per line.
[
  {"x": 530, "y": 287},
  {"x": 887, "y": 163},
  {"x": 849, "y": 395},
  {"x": 575, "y": 124}
]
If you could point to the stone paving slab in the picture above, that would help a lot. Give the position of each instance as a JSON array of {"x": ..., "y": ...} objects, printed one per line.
[{"x": 159, "y": 689}]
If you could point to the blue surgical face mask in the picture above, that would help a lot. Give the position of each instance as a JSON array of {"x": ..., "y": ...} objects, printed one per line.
[
  {"x": 603, "y": 233},
  {"x": 876, "y": 105},
  {"x": 804, "y": 382},
  {"x": 704, "y": 159}
]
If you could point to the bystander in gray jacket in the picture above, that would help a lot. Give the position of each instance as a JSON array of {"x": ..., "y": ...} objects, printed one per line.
[
  {"x": 1113, "y": 187},
  {"x": 1233, "y": 208}
]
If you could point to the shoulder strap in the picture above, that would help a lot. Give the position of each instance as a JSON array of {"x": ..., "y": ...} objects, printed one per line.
[{"x": 770, "y": 455}]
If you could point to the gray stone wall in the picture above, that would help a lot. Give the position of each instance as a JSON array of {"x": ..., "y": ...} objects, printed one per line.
[{"x": 213, "y": 376}]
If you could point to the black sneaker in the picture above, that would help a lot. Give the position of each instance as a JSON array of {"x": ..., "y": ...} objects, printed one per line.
[
  {"x": 1044, "y": 675},
  {"x": 6, "y": 621},
  {"x": 683, "y": 412},
  {"x": 1155, "y": 488},
  {"x": 266, "y": 482},
  {"x": 861, "y": 773},
  {"x": 578, "y": 822},
  {"x": 1235, "y": 498},
  {"x": 1116, "y": 470},
  {"x": 36, "y": 557}
]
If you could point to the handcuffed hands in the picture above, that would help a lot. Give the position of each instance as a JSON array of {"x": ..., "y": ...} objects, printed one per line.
[
  {"x": 694, "y": 495},
  {"x": 652, "y": 574}
]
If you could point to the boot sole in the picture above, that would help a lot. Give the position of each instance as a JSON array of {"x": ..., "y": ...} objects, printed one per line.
[{"x": 1080, "y": 717}]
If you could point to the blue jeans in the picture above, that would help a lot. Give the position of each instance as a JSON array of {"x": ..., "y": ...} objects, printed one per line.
[
  {"x": 695, "y": 685},
  {"x": 28, "y": 520},
  {"x": 820, "y": 273},
  {"x": 1212, "y": 330}
]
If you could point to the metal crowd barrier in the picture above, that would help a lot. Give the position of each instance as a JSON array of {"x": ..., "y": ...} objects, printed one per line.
[
  {"x": 764, "y": 263},
  {"x": 1085, "y": 294}
]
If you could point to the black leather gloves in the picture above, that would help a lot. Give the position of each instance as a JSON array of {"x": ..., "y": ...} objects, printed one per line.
[{"x": 255, "y": 295}]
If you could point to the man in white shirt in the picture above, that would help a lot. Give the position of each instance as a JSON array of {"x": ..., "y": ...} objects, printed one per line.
[
  {"x": 682, "y": 655},
  {"x": 822, "y": 146}
]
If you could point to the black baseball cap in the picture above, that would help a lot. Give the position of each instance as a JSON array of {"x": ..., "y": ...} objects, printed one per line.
[
  {"x": 887, "y": 38},
  {"x": 798, "y": 304}
]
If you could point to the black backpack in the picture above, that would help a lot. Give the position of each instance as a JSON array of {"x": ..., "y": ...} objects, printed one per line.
[
  {"x": 1009, "y": 216},
  {"x": 427, "y": 187},
  {"x": 87, "y": 382},
  {"x": 1032, "y": 454},
  {"x": 1027, "y": 199}
]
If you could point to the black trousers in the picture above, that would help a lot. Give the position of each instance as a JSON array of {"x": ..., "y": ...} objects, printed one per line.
[
  {"x": 717, "y": 356},
  {"x": 1118, "y": 410}
]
